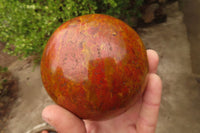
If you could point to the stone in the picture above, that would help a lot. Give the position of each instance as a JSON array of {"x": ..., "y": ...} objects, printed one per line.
[
  {"x": 149, "y": 14},
  {"x": 150, "y": 1},
  {"x": 161, "y": 1},
  {"x": 1, "y": 104}
]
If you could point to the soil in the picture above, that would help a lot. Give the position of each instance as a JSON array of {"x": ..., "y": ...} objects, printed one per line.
[{"x": 8, "y": 88}]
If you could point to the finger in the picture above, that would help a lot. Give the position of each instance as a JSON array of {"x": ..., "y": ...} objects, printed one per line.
[
  {"x": 150, "y": 105},
  {"x": 153, "y": 60},
  {"x": 62, "y": 120},
  {"x": 44, "y": 131}
]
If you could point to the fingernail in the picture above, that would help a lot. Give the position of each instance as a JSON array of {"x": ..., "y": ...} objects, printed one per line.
[{"x": 45, "y": 131}]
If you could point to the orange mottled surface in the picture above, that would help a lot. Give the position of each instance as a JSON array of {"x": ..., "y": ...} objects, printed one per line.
[{"x": 94, "y": 66}]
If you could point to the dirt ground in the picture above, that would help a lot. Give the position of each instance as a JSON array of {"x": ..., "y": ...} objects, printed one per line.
[
  {"x": 192, "y": 21},
  {"x": 8, "y": 95},
  {"x": 8, "y": 88},
  {"x": 179, "y": 112}
]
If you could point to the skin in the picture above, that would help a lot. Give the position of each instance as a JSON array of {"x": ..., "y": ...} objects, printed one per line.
[{"x": 140, "y": 118}]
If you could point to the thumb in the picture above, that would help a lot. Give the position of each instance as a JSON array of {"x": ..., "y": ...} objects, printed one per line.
[{"x": 62, "y": 120}]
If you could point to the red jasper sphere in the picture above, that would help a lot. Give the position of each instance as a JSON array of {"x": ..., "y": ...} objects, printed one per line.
[{"x": 94, "y": 66}]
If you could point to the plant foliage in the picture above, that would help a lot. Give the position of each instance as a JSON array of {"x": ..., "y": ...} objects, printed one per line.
[{"x": 26, "y": 25}]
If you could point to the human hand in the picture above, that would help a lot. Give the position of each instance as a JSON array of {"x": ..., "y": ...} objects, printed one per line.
[{"x": 141, "y": 118}]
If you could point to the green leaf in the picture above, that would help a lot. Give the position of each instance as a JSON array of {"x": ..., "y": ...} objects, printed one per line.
[{"x": 26, "y": 25}]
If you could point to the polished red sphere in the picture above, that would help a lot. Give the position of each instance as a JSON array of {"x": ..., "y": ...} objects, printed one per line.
[{"x": 94, "y": 66}]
